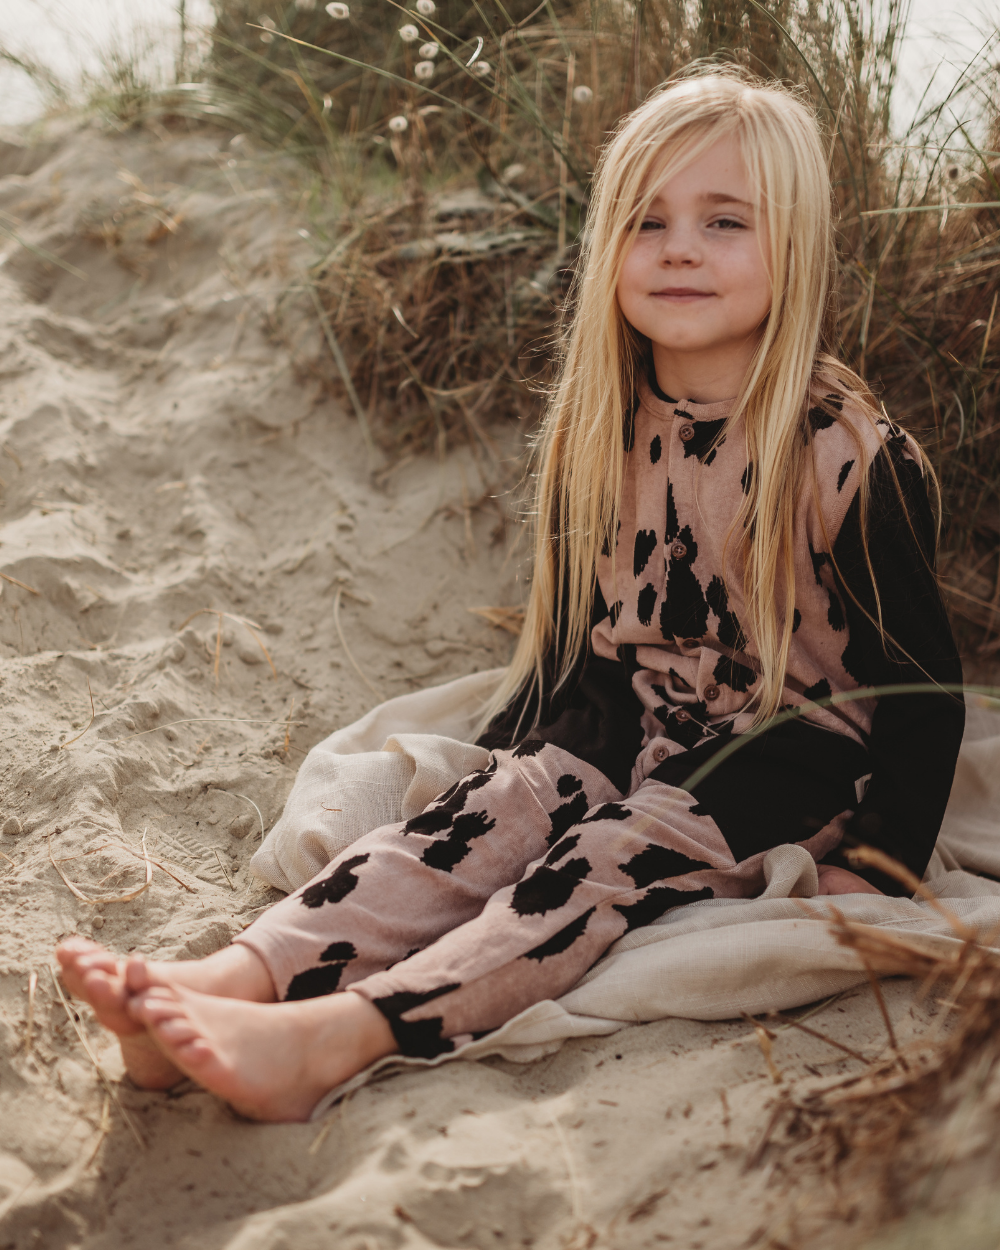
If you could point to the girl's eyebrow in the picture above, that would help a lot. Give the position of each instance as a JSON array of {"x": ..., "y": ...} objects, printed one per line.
[{"x": 720, "y": 197}]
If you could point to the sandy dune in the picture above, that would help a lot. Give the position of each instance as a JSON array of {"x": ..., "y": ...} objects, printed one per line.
[{"x": 164, "y": 451}]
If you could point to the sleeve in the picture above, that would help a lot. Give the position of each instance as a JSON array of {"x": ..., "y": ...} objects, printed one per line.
[
  {"x": 915, "y": 738},
  {"x": 595, "y": 715}
]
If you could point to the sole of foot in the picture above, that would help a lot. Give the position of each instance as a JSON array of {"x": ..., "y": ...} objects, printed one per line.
[{"x": 270, "y": 1062}]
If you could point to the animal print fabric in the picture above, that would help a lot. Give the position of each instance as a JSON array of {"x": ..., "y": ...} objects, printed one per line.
[
  {"x": 676, "y": 609},
  {"x": 502, "y": 893}
]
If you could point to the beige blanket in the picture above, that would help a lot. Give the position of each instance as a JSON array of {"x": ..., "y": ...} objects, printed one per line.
[{"x": 709, "y": 960}]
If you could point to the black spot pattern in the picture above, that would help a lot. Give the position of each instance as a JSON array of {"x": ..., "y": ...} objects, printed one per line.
[
  {"x": 655, "y": 902},
  {"x": 684, "y": 612},
  {"x": 844, "y": 473},
  {"x": 420, "y": 1038},
  {"x": 819, "y": 419},
  {"x": 440, "y": 815},
  {"x": 746, "y": 481},
  {"x": 705, "y": 434},
  {"x": 646, "y": 604},
  {"x": 734, "y": 674},
  {"x": 336, "y": 886},
  {"x": 819, "y": 558},
  {"x": 561, "y": 849},
  {"x": 566, "y": 816},
  {"x": 567, "y": 785},
  {"x": 530, "y": 746},
  {"x": 563, "y": 939},
  {"x": 796, "y": 620},
  {"x": 341, "y": 952},
  {"x": 655, "y": 450},
  {"x": 614, "y": 612},
  {"x": 684, "y": 732},
  {"x": 673, "y": 525},
  {"x": 730, "y": 632},
  {"x": 608, "y": 811},
  {"x": 645, "y": 545},
  {"x": 315, "y": 982},
  {"x": 445, "y": 853},
  {"x": 835, "y": 614},
  {"x": 605, "y": 544},
  {"x": 548, "y": 889},
  {"x": 821, "y": 690},
  {"x": 659, "y": 863}
]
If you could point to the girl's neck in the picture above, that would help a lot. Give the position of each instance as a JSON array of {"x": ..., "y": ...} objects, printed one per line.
[{"x": 703, "y": 377}]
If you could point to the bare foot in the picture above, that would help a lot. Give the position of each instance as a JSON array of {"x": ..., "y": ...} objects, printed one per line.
[
  {"x": 98, "y": 977},
  {"x": 268, "y": 1061}
]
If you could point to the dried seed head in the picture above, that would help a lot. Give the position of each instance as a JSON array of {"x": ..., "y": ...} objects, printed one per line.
[
  {"x": 266, "y": 37},
  {"x": 327, "y": 103},
  {"x": 582, "y": 94},
  {"x": 428, "y": 51},
  {"x": 423, "y": 70},
  {"x": 426, "y": 8},
  {"x": 268, "y": 22},
  {"x": 482, "y": 69},
  {"x": 409, "y": 33},
  {"x": 340, "y": 12},
  {"x": 398, "y": 124},
  {"x": 953, "y": 172},
  {"x": 513, "y": 172}
]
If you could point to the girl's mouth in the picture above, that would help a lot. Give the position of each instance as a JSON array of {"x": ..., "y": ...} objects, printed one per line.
[{"x": 683, "y": 294}]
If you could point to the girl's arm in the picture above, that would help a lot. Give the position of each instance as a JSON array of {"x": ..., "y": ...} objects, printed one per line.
[{"x": 915, "y": 738}]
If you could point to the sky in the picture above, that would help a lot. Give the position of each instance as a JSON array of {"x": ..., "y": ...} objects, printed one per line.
[{"x": 70, "y": 36}]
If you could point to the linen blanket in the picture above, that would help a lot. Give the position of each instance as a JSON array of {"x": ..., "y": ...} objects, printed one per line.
[{"x": 709, "y": 960}]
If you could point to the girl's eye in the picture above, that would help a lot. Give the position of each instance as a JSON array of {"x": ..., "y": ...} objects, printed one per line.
[
  {"x": 651, "y": 224},
  {"x": 729, "y": 223}
]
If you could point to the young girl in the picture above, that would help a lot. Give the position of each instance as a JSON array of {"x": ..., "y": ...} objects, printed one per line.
[{"x": 726, "y": 527}]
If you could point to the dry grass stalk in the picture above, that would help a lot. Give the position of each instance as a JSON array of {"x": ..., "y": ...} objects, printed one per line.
[
  {"x": 347, "y": 650},
  {"x": 510, "y": 619},
  {"x": 93, "y": 717},
  {"x": 116, "y": 898},
  {"x": 104, "y": 1078},
  {"x": 247, "y": 624},
  {"x": 24, "y": 585},
  {"x": 223, "y": 867},
  {"x": 204, "y": 720},
  {"x": 884, "y": 1133},
  {"x": 29, "y": 1028}
]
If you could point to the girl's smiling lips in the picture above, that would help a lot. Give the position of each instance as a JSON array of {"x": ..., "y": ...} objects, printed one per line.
[{"x": 681, "y": 293}]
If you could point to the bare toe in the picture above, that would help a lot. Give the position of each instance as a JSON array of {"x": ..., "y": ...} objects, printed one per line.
[{"x": 269, "y": 1061}]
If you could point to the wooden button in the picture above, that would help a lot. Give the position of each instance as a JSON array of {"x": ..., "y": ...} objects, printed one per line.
[
  {"x": 686, "y": 433},
  {"x": 681, "y": 716},
  {"x": 712, "y": 693},
  {"x": 678, "y": 550},
  {"x": 660, "y": 754}
]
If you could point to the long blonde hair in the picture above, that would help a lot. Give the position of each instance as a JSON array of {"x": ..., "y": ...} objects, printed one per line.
[{"x": 580, "y": 453}]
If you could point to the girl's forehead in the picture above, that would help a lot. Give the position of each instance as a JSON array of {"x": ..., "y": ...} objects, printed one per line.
[{"x": 716, "y": 174}]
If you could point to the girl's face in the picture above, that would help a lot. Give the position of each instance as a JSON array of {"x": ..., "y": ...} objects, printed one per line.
[{"x": 696, "y": 283}]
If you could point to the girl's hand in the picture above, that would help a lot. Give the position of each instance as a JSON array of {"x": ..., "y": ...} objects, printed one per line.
[{"x": 839, "y": 881}]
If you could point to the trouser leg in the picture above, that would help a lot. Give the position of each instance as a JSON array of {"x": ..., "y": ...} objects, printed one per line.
[
  {"x": 397, "y": 890},
  {"x": 619, "y": 867}
]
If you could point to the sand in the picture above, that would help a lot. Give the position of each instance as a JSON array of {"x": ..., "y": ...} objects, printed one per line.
[{"x": 168, "y": 453}]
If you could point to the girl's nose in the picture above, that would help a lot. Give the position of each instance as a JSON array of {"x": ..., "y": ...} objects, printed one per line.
[{"x": 680, "y": 246}]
